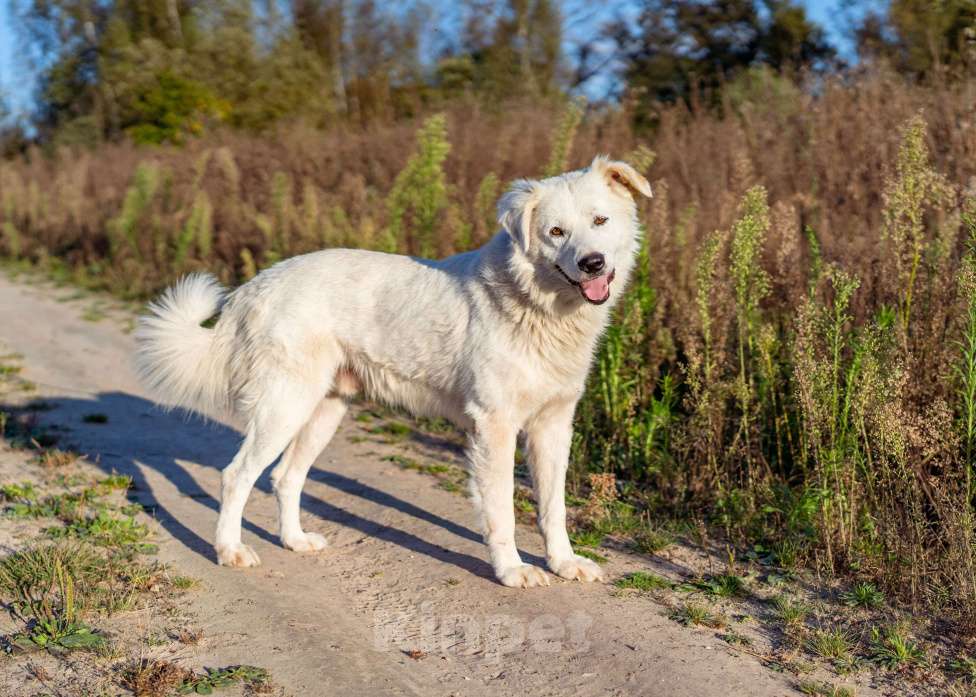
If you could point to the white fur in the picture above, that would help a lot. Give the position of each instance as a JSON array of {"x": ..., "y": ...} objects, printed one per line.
[
  {"x": 497, "y": 340},
  {"x": 176, "y": 357}
]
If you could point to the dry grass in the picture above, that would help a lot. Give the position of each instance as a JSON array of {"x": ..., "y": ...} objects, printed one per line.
[
  {"x": 153, "y": 678},
  {"x": 795, "y": 361}
]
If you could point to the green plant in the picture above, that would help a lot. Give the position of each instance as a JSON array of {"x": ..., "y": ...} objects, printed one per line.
[
  {"x": 751, "y": 284},
  {"x": 892, "y": 647},
  {"x": 107, "y": 530},
  {"x": 965, "y": 666},
  {"x": 118, "y": 482},
  {"x": 693, "y": 614},
  {"x": 184, "y": 582},
  {"x": 792, "y": 613},
  {"x": 824, "y": 689},
  {"x": 11, "y": 239},
  {"x": 39, "y": 584},
  {"x": 912, "y": 189},
  {"x": 197, "y": 231},
  {"x": 643, "y": 581},
  {"x": 394, "y": 430},
  {"x": 834, "y": 644},
  {"x": 420, "y": 192},
  {"x": 865, "y": 595},
  {"x": 589, "y": 554},
  {"x": 736, "y": 639},
  {"x": 587, "y": 537},
  {"x": 725, "y": 586},
  {"x": 965, "y": 366},
  {"x": 217, "y": 678},
  {"x": 26, "y": 492},
  {"x": 563, "y": 137},
  {"x": 124, "y": 228},
  {"x": 651, "y": 540}
]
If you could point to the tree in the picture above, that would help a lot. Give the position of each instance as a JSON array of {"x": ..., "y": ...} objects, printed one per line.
[
  {"x": 319, "y": 25},
  {"x": 162, "y": 70},
  {"x": 507, "y": 49},
  {"x": 679, "y": 46},
  {"x": 921, "y": 37}
]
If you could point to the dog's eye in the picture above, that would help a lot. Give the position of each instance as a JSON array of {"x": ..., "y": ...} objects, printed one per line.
[
  {"x": 599, "y": 220},
  {"x": 556, "y": 232}
]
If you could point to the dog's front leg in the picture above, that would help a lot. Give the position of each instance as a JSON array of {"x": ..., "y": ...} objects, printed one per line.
[
  {"x": 549, "y": 436},
  {"x": 492, "y": 455}
]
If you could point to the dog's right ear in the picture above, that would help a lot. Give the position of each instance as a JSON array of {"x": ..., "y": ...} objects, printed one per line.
[{"x": 516, "y": 208}]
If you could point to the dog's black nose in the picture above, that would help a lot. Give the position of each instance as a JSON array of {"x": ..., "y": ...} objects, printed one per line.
[{"x": 592, "y": 263}]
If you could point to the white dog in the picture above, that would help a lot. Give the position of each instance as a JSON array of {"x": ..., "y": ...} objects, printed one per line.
[{"x": 498, "y": 340}]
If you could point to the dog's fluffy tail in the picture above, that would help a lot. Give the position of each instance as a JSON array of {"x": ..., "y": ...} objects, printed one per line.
[{"x": 177, "y": 358}]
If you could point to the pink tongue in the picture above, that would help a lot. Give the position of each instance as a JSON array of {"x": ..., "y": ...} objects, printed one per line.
[{"x": 596, "y": 289}]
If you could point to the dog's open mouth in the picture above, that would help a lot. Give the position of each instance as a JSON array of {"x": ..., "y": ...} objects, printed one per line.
[{"x": 595, "y": 291}]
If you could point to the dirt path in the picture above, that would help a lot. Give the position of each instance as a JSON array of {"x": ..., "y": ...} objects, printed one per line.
[{"x": 405, "y": 572}]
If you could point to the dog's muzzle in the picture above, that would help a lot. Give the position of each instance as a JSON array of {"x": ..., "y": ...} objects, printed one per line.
[{"x": 596, "y": 290}]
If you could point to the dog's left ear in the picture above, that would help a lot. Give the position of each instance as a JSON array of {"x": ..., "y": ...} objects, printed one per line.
[
  {"x": 621, "y": 177},
  {"x": 515, "y": 210}
]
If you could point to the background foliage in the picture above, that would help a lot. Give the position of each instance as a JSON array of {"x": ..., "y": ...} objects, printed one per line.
[{"x": 794, "y": 362}]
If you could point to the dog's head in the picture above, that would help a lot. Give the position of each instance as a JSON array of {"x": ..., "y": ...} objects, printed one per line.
[{"x": 578, "y": 229}]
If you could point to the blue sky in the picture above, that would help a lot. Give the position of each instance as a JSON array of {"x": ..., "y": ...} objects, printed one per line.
[{"x": 16, "y": 82}]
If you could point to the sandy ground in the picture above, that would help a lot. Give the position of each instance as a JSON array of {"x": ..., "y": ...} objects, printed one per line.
[{"x": 403, "y": 602}]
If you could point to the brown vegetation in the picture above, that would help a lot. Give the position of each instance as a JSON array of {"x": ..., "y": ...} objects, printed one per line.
[{"x": 796, "y": 360}]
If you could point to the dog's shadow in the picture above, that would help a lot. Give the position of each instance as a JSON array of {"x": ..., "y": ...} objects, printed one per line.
[{"x": 137, "y": 434}]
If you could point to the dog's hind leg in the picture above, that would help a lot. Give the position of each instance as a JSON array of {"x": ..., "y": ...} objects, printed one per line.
[
  {"x": 288, "y": 476},
  {"x": 278, "y": 416}
]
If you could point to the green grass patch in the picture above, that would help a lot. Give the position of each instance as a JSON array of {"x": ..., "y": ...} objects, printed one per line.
[
  {"x": 393, "y": 430},
  {"x": 42, "y": 586},
  {"x": 834, "y": 644},
  {"x": 791, "y": 613},
  {"x": 523, "y": 501},
  {"x": 452, "y": 486},
  {"x": 108, "y": 531},
  {"x": 721, "y": 586},
  {"x": 592, "y": 556},
  {"x": 863, "y": 595},
  {"x": 116, "y": 482},
  {"x": 736, "y": 639},
  {"x": 695, "y": 615},
  {"x": 891, "y": 647},
  {"x": 643, "y": 581},
  {"x": 965, "y": 666},
  {"x": 651, "y": 540},
  {"x": 66, "y": 506},
  {"x": 184, "y": 582},
  {"x": 215, "y": 679},
  {"x": 586, "y": 537},
  {"x": 406, "y": 463},
  {"x": 823, "y": 689},
  {"x": 25, "y": 492}
]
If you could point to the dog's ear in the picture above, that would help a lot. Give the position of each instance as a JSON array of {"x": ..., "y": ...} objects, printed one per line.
[
  {"x": 621, "y": 177},
  {"x": 516, "y": 208}
]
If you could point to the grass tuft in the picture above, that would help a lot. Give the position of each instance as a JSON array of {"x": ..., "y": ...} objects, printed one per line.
[
  {"x": 643, "y": 581},
  {"x": 891, "y": 647},
  {"x": 150, "y": 677},
  {"x": 863, "y": 595},
  {"x": 694, "y": 614},
  {"x": 834, "y": 644}
]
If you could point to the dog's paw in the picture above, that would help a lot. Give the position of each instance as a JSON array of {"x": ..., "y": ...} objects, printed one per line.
[
  {"x": 523, "y": 576},
  {"x": 238, "y": 555},
  {"x": 578, "y": 569},
  {"x": 306, "y": 542}
]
